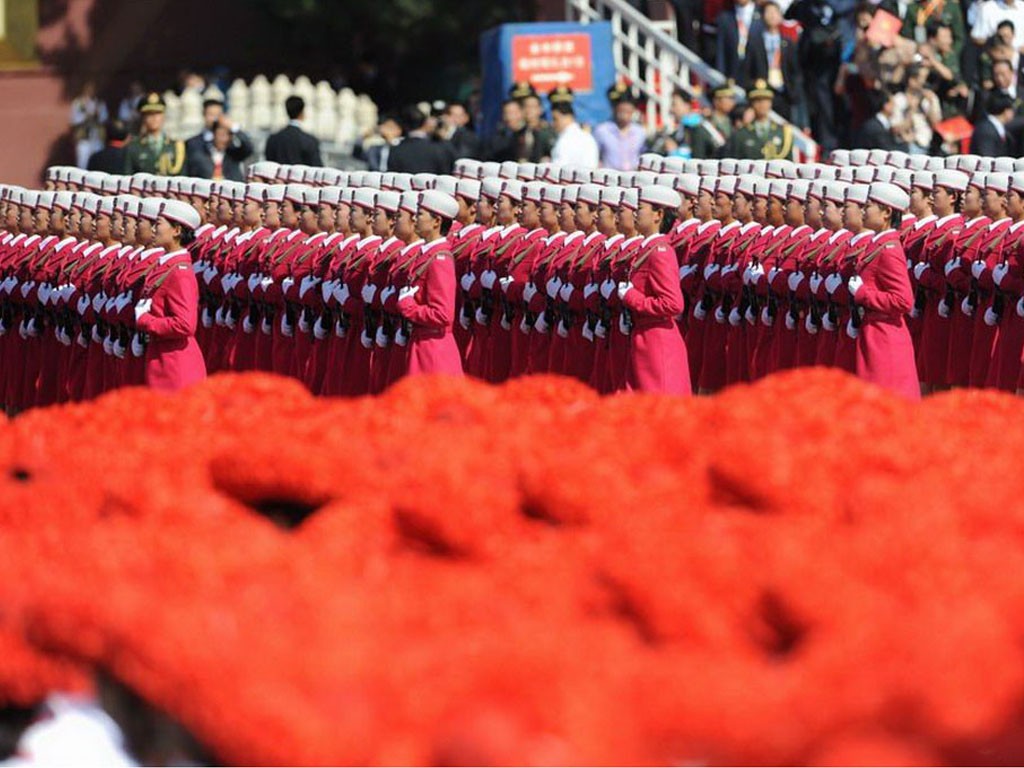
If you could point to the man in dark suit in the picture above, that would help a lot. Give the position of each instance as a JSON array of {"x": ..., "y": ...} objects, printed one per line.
[
  {"x": 222, "y": 156},
  {"x": 990, "y": 137},
  {"x": 110, "y": 159},
  {"x": 292, "y": 145},
  {"x": 772, "y": 57},
  {"x": 876, "y": 132},
  {"x": 377, "y": 154},
  {"x": 418, "y": 152},
  {"x": 736, "y": 27}
]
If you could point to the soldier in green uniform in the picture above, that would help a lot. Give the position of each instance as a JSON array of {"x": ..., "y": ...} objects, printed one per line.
[
  {"x": 924, "y": 13},
  {"x": 152, "y": 151},
  {"x": 711, "y": 137},
  {"x": 763, "y": 139}
]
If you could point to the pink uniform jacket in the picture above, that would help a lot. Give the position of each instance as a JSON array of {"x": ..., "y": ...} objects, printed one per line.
[
  {"x": 884, "y": 350},
  {"x": 173, "y": 358},
  {"x": 431, "y": 312},
  {"x": 657, "y": 359}
]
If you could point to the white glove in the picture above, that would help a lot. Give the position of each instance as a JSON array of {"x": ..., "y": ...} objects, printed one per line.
[
  {"x": 999, "y": 272},
  {"x": 809, "y": 325},
  {"x": 561, "y": 330},
  {"x": 96, "y": 338},
  {"x": 380, "y": 338},
  {"x": 589, "y": 290},
  {"x": 387, "y": 293},
  {"x": 108, "y": 345},
  {"x": 832, "y": 282},
  {"x": 965, "y": 306},
  {"x": 119, "y": 350},
  {"x": 287, "y": 283},
  {"x": 524, "y": 327},
  {"x": 541, "y": 324},
  {"x": 467, "y": 280},
  {"x": 487, "y": 278},
  {"x": 991, "y": 318},
  {"x": 209, "y": 274},
  {"x": 230, "y": 320},
  {"x": 339, "y": 329},
  {"x": 699, "y": 312},
  {"x": 142, "y": 307},
  {"x": 686, "y": 270},
  {"x": 505, "y": 282},
  {"x": 253, "y": 281},
  {"x": 247, "y": 324},
  {"x": 919, "y": 269},
  {"x": 773, "y": 273},
  {"x": 307, "y": 282},
  {"x": 206, "y": 318},
  {"x": 365, "y": 340},
  {"x": 529, "y": 291},
  {"x": 951, "y": 266},
  {"x": 225, "y": 283},
  {"x": 756, "y": 273},
  {"x": 790, "y": 322},
  {"x": 327, "y": 289},
  {"x": 552, "y": 286},
  {"x": 608, "y": 288},
  {"x": 944, "y": 308},
  {"x": 851, "y": 331},
  {"x": 565, "y": 292},
  {"x": 827, "y": 323},
  {"x": 815, "y": 282},
  {"x": 977, "y": 269},
  {"x": 730, "y": 268},
  {"x": 480, "y": 317},
  {"x": 749, "y": 316},
  {"x": 854, "y": 284},
  {"x": 599, "y": 330},
  {"x": 506, "y": 325},
  {"x": 464, "y": 321},
  {"x": 341, "y": 294},
  {"x": 44, "y": 294},
  {"x": 67, "y": 292},
  {"x": 368, "y": 292},
  {"x": 319, "y": 332},
  {"x": 748, "y": 275},
  {"x": 303, "y": 321},
  {"x": 710, "y": 269},
  {"x": 265, "y": 327},
  {"x": 218, "y": 318},
  {"x": 401, "y": 338},
  {"x": 83, "y": 303},
  {"x": 97, "y": 301},
  {"x": 1020, "y": 307},
  {"x": 82, "y": 340},
  {"x": 286, "y": 330},
  {"x": 766, "y": 318},
  {"x": 408, "y": 292},
  {"x": 586, "y": 333},
  {"x": 735, "y": 318},
  {"x": 794, "y": 280},
  {"x": 720, "y": 316},
  {"x": 623, "y": 327},
  {"x": 138, "y": 350},
  {"x": 266, "y": 282},
  {"x": 624, "y": 288}
]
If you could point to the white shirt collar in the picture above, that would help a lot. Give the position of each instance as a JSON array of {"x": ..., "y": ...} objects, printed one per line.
[
  {"x": 884, "y": 121},
  {"x": 1000, "y": 128},
  {"x": 435, "y": 243},
  {"x": 926, "y": 220},
  {"x": 861, "y": 235},
  {"x": 168, "y": 256}
]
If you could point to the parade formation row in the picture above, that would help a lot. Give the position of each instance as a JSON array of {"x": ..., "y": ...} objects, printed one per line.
[{"x": 684, "y": 277}]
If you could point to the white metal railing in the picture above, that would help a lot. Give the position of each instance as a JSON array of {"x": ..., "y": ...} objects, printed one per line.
[{"x": 647, "y": 53}]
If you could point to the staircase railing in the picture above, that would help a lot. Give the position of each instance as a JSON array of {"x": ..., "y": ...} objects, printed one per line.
[{"x": 647, "y": 54}]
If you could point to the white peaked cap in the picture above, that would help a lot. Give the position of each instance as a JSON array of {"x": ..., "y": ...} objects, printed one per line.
[
  {"x": 439, "y": 203},
  {"x": 884, "y": 193},
  {"x": 657, "y": 195},
  {"x": 858, "y": 193}
]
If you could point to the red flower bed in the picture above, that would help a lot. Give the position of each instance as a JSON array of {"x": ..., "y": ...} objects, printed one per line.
[{"x": 803, "y": 571}]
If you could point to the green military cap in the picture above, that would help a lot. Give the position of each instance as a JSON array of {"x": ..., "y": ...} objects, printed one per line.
[
  {"x": 619, "y": 92},
  {"x": 760, "y": 90},
  {"x": 561, "y": 95},
  {"x": 726, "y": 89},
  {"x": 521, "y": 90},
  {"x": 152, "y": 102}
]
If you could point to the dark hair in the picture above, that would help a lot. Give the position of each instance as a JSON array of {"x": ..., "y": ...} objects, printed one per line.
[
  {"x": 116, "y": 130},
  {"x": 997, "y": 62},
  {"x": 913, "y": 70},
  {"x": 446, "y": 226},
  {"x": 934, "y": 27},
  {"x": 736, "y": 113},
  {"x": 212, "y": 103},
  {"x": 771, "y": 2},
  {"x": 877, "y": 99},
  {"x": 561, "y": 108},
  {"x": 681, "y": 94},
  {"x": 220, "y": 124},
  {"x": 864, "y": 7},
  {"x": 294, "y": 106},
  {"x": 506, "y": 102},
  {"x": 1005, "y": 23},
  {"x": 188, "y": 236},
  {"x": 668, "y": 219},
  {"x": 998, "y": 103},
  {"x": 895, "y": 218},
  {"x": 413, "y": 118}
]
